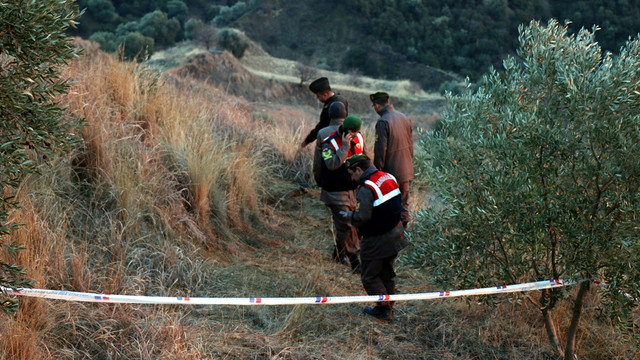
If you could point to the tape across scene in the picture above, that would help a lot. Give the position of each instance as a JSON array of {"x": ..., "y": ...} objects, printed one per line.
[{"x": 136, "y": 299}]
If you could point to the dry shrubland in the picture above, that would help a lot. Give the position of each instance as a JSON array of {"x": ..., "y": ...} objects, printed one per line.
[{"x": 175, "y": 190}]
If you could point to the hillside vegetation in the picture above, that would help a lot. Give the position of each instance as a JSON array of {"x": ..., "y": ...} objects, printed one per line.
[
  {"x": 178, "y": 189},
  {"x": 429, "y": 42}
]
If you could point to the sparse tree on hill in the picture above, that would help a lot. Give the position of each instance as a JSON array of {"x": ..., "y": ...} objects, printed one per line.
[
  {"x": 305, "y": 68},
  {"x": 207, "y": 35},
  {"x": 33, "y": 49},
  {"x": 536, "y": 177}
]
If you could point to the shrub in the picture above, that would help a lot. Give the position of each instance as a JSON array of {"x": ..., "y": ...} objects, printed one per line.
[
  {"x": 177, "y": 9},
  {"x": 106, "y": 40},
  {"x": 136, "y": 46},
  {"x": 159, "y": 27},
  {"x": 231, "y": 40},
  {"x": 192, "y": 27},
  {"x": 536, "y": 176}
]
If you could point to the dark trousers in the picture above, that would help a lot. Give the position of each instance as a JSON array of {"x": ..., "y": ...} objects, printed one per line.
[{"x": 378, "y": 278}]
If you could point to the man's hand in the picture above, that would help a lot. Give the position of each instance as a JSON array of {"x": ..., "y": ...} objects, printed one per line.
[{"x": 347, "y": 137}]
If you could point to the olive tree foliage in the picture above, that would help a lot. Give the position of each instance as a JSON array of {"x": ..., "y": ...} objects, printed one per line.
[
  {"x": 177, "y": 9},
  {"x": 536, "y": 176},
  {"x": 135, "y": 46},
  {"x": 106, "y": 40},
  {"x": 159, "y": 27},
  {"x": 192, "y": 27},
  {"x": 33, "y": 48},
  {"x": 233, "y": 41}
]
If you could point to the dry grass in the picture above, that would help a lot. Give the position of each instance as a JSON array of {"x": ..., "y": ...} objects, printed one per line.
[{"x": 173, "y": 193}]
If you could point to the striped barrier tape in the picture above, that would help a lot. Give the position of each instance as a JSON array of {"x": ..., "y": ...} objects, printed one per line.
[{"x": 135, "y": 299}]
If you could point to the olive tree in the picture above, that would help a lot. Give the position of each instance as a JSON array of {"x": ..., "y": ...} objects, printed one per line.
[
  {"x": 231, "y": 40},
  {"x": 33, "y": 47},
  {"x": 536, "y": 175}
]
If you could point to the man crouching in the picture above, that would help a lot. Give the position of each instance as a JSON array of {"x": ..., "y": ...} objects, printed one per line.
[{"x": 377, "y": 217}]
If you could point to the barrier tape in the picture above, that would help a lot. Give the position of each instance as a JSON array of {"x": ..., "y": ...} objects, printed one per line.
[{"x": 134, "y": 299}]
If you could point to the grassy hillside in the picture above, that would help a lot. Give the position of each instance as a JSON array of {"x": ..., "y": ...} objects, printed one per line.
[{"x": 177, "y": 189}]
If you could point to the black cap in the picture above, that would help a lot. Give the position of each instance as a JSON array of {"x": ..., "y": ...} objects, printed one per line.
[
  {"x": 379, "y": 96},
  {"x": 320, "y": 85}
]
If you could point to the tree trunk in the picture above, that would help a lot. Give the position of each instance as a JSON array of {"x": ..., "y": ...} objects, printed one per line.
[
  {"x": 548, "y": 323},
  {"x": 578, "y": 304}
]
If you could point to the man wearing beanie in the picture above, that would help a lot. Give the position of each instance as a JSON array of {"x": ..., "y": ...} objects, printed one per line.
[
  {"x": 334, "y": 144},
  {"x": 321, "y": 88},
  {"x": 393, "y": 149}
]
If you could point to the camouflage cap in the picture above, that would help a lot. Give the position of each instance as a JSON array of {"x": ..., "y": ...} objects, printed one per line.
[{"x": 355, "y": 159}]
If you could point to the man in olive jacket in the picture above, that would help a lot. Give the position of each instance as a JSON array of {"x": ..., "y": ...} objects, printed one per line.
[
  {"x": 393, "y": 149},
  {"x": 377, "y": 218}
]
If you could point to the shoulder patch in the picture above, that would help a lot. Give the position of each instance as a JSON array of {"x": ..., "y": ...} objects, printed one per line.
[{"x": 327, "y": 153}]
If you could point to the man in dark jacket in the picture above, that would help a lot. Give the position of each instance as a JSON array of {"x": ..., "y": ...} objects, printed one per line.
[
  {"x": 335, "y": 143},
  {"x": 321, "y": 88},
  {"x": 393, "y": 149},
  {"x": 377, "y": 218}
]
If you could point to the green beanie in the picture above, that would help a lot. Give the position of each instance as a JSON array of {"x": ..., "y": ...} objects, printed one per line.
[{"x": 352, "y": 122}]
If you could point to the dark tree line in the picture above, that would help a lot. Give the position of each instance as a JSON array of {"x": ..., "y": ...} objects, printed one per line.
[
  {"x": 469, "y": 36},
  {"x": 465, "y": 37},
  {"x": 137, "y": 28}
]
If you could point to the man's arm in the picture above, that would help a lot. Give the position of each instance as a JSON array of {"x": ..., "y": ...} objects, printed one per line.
[
  {"x": 313, "y": 134},
  {"x": 364, "y": 207},
  {"x": 317, "y": 163},
  {"x": 333, "y": 160}
]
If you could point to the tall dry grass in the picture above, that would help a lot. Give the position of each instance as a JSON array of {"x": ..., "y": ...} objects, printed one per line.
[{"x": 163, "y": 171}]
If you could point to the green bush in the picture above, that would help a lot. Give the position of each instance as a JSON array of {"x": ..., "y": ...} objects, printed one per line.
[
  {"x": 136, "y": 46},
  {"x": 106, "y": 40},
  {"x": 159, "y": 27},
  {"x": 177, "y": 9},
  {"x": 536, "y": 176},
  {"x": 123, "y": 29},
  {"x": 192, "y": 27},
  {"x": 231, "y": 40}
]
